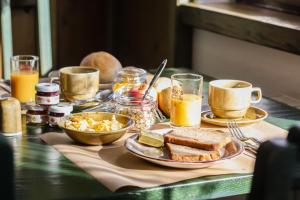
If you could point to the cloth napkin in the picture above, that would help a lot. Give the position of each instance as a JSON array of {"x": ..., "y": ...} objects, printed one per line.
[{"x": 115, "y": 167}]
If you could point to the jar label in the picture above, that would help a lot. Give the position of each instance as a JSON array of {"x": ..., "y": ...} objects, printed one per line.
[
  {"x": 36, "y": 119},
  {"x": 46, "y": 100},
  {"x": 53, "y": 121}
]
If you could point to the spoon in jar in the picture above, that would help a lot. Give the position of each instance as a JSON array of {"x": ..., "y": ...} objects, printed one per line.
[{"x": 156, "y": 76}]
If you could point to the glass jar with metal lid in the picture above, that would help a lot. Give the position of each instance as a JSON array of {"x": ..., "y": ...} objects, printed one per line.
[
  {"x": 130, "y": 77},
  {"x": 57, "y": 112},
  {"x": 36, "y": 114},
  {"x": 47, "y": 94},
  {"x": 142, "y": 111}
]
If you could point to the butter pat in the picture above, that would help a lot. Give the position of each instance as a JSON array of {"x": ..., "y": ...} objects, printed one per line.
[
  {"x": 151, "y": 139},
  {"x": 139, "y": 148}
]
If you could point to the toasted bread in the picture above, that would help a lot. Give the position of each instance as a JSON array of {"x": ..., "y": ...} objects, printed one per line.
[
  {"x": 209, "y": 140},
  {"x": 230, "y": 149},
  {"x": 188, "y": 154}
]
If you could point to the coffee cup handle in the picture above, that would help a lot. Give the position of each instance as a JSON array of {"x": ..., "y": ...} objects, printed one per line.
[
  {"x": 52, "y": 79},
  {"x": 258, "y": 95}
]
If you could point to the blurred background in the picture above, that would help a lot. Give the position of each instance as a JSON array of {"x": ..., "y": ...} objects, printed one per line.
[
  {"x": 252, "y": 40},
  {"x": 137, "y": 32}
]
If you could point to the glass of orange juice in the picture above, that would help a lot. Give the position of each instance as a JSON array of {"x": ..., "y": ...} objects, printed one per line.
[
  {"x": 24, "y": 76},
  {"x": 186, "y": 100}
]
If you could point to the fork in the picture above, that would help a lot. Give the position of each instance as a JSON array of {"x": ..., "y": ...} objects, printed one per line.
[
  {"x": 161, "y": 117},
  {"x": 248, "y": 146},
  {"x": 231, "y": 124}
]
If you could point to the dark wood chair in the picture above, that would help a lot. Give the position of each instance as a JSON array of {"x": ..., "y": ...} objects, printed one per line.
[
  {"x": 275, "y": 174},
  {"x": 7, "y": 188}
]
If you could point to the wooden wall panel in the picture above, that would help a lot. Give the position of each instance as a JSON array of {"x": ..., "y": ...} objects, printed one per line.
[
  {"x": 144, "y": 32},
  {"x": 80, "y": 29},
  {"x": 140, "y": 33},
  {"x": 24, "y": 31}
]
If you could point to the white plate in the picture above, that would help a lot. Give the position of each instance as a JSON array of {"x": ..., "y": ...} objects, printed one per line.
[{"x": 166, "y": 161}]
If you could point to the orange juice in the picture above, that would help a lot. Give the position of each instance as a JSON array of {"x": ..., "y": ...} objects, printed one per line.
[
  {"x": 186, "y": 111},
  {"x": 23, "y": 85}
]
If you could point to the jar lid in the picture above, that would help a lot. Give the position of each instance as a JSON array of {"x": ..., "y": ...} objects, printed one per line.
[
  {"x": 35, "y": 107},
  {"x": 47, "y": 87},
  {"x": 132, "y": 73},
  {"x": 61, "y": 108}
]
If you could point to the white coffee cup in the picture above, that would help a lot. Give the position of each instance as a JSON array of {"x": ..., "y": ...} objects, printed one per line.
[{"x": 231, "y": 99}]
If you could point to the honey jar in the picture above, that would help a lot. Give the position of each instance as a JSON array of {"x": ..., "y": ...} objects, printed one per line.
[{"x": 130, "y": 77}]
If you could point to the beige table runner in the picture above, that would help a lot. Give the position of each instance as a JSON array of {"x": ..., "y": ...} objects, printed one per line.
[{"x": 115, "y": 167}]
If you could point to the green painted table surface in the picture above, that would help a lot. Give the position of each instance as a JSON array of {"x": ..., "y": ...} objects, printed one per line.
[{"x": 44, "y": 173}]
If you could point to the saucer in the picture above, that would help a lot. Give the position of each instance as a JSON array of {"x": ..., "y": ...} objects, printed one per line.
[{"x": 252, "y": 116}]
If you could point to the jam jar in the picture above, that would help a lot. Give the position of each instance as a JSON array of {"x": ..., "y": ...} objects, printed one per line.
[
  {"x": 130, "y": 77},
  {"x": 57, "y": 112},
  {"x": 47, "y": 94},
  {"x": 36, "y": 114},
  {"x": 141, "y": 111}
]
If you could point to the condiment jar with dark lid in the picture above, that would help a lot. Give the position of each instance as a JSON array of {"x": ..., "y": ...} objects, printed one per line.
[
  {"x": 10, "y": 116},
  {"x": 47, "y": 94},
  {"x": 36, "y": 115},
  {"x": 57, "y": 112}
]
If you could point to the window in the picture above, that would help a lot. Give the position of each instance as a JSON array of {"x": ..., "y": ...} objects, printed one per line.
[{"x": 290, "y": 6}]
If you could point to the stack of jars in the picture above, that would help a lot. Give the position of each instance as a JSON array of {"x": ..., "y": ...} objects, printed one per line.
[
  {"x": 129, "y": 87},
  {"x": 47, "y": 108}
]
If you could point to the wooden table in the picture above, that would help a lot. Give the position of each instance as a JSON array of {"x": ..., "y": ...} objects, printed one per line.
[{"x": 43, "y": 173}]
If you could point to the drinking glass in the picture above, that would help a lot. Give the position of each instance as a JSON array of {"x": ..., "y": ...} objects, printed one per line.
[
  {"x": 24, "y": 76},
  {"x": 186, "y": 100}
]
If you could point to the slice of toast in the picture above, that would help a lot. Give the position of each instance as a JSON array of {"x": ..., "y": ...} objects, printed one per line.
[
  {"x": 205, "y": 139},
  {"x": 230, "y": 149},
  {"x": 188, "y": 154}
]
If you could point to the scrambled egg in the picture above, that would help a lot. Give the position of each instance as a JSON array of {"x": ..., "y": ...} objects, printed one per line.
[{"x": 88, "y": 123}]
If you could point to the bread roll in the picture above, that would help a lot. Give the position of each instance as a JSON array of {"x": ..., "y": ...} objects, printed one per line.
[
  {"x": 163, "y": 87},
  {"x": 105, "y": 62},
  {"x": 162, "y": 83}
]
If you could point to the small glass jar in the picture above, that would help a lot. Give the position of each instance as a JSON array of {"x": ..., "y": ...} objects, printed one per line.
[
  {"x": 36, "y": 115},
  {"x": 47, "y": 94},
  {"x": 130, "y": 77},
  {"x": 57, "y": 112},
  {"x": 141, "y": 111}
]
